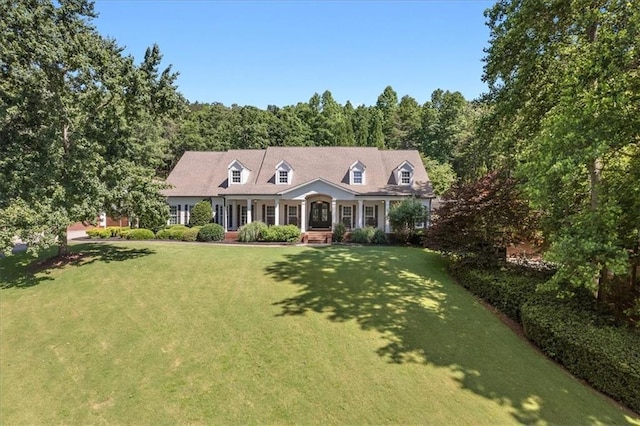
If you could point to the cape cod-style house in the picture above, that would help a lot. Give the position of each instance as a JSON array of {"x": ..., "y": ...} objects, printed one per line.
[{"x": 310, "y": 187}]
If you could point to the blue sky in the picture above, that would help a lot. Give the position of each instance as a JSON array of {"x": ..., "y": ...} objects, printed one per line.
[{"x": 281, "y": 52}]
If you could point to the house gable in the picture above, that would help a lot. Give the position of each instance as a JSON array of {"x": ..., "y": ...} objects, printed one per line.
[
  {"x": 238, "y": 173},
  {"x": 318, "y": 186},
  {"x": 284, "y": 173},
  {"x": 357, "y": 173}
]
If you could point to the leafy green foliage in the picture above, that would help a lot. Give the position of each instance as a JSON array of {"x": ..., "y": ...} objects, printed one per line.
[
  {"x": 140, "y": 234},
  {"x": 507, "y": 289},
  {"x": 99, "y": 233},
  {"x": 82, "y": 125},
  {"x": 201, "y": 214},
  {"x": 379, "y": 237},
  {"x": 339, "y": 230},
  {"x": 251, "y": 232},
  {"x": 441, "y": 175},
  {"x": 281, "y": 234},
  {"x": 362, "y": 235},
  {"x": 404, "y": 216},
  {"x": 211, "y": 232},
  {"x": 604, "y": 355},
  {"x": 176, "y": 231},
  {"x": 571, "y": 131},
  {"x": 163, "y": 234},
  {"x": 190, "y": 234}
]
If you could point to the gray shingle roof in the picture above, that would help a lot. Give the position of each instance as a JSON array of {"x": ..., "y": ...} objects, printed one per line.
[{"x": 206, "y": 173}]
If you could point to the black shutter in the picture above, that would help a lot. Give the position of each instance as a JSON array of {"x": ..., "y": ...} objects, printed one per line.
[
  {"x": 264, "y": 213},
  {"x": 353, "y": 216},
  {"x": 286, "y": 214},
  {"x": 179, "y": 218},
  {"x": 375, "y": 214}
]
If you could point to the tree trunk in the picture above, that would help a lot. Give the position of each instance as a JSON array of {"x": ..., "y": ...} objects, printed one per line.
[{"x": 63, "y": 246}]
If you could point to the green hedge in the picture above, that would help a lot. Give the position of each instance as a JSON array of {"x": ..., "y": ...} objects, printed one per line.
[
  {"x": 281, "y": 234},
  {"x": 98, "y": 233},
  {"x": 607, "y": 357},
  {"x": 211, "y": 232},
  {"x": 140, "y": 234},
  {"x": 506, "y": 289},
  {"x": 251, "y": 232},
  {"x": 190, "y": 234}
]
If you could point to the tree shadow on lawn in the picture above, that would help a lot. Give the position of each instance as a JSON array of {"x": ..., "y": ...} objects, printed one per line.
[
  {"x": 425, "y": 319},
  {"x": 24, "y": 270}
]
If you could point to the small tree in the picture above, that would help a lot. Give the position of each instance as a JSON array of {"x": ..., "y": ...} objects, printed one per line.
[
  {"x": 404, "y": 216},
  {"x": 482, "y": 218},
  {"x": 201, "y": 214}
]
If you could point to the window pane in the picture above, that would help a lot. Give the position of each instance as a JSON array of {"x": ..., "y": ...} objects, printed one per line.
[
  {"x": 405, "y": 177},
  {"x": 357, "y": 177},
  {"x": 235, "y": 176},
  {"x": 283, "y": 176}
]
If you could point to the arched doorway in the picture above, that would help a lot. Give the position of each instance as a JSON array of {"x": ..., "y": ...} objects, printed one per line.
[{"x": 320, "y": 215}]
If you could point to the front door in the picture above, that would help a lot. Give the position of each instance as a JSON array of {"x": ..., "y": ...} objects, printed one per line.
[{"x": 320, "y": 215}]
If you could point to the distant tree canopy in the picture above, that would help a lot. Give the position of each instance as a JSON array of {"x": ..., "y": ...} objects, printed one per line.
[{"x": 442, "y": 129}]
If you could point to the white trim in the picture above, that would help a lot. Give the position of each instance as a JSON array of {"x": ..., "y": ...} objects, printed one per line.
[{"x": 302, "y": 185}]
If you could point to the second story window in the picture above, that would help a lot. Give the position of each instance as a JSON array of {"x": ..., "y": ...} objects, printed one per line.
[
  {"x": 357, "y": 177},
  {"x": 405, "y": 177},
  {"x": 283, "y": 176},
  {"x": 236, "y": 176}
]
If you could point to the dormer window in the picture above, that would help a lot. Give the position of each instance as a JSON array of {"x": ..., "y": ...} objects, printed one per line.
[
  {"x": 283, "y": 177},
  {"x": 404, "y": 174},
  {"x": 238, "y": 173},
  {"x": 357, "y": 173},
  {"x": 284, "y": 173}
]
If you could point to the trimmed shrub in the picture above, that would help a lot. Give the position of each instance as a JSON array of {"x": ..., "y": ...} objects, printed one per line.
[
  {"x": 201, "y": 214},
  {"x": 281, "y": 234},
  {"x": 362, "y": 235},
  {"x": 99, "y": 233},
  {"x": 251, "y": 232},
  {"x": 140, "y": 234},
  {"x": 339, "y": 229},
  {"x": 505, "y": 289},
  {"x": 211, "y": 232},
  {"x": 163, "y": 234},
  {"x": 176, "y": 231},
  {"x": 191, "y": 234},
  {"x": 379, "y": 237},
  {"x": 607, "y": 357}
]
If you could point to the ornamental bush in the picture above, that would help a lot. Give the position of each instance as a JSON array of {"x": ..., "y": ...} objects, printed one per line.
[
  {"x": 251, "y": 232},
  {"x": 191, "y": 234},
  {"x": 404, "y": 216},
  {"x": 201, "y": 214},
  {"x": 99, "y": 233},
  {"x": 339, "y": 229},
  {"x": 211, "y": 232},
  {"x": 140, "y": 234},
  {"x": 281, "y": 234},
  {"x": 362, "y": 235},
  {"x": 176, "y": 231},
  {"x": 163, "y": 234},
  {"x": 590, "y": 347},
  {"x": 379, "y": 237}
]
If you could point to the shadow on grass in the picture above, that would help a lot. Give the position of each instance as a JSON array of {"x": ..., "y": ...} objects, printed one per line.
[
  {"x": 405, "y": 295},
  {"x": 24, "y": 270}
]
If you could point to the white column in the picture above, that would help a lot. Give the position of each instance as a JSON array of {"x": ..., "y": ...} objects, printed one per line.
[
  {"x": 225, "y": 213},
  {"x": 387, "y": 227},
  {"x": 303, "y": 214},
  {"x": 249, "y": 210},
  {"x": 334, "y": 212},
  {"x": 233, "y": 220},
  {"x": 360, "y": 214},
  {"x": 277, "y": 212}
]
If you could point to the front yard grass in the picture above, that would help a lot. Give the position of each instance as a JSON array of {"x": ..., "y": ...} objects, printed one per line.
[{"x": 143, "y": 333}]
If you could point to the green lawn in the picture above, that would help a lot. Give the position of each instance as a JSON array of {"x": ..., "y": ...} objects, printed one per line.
[{"x": 186, "y": 333}]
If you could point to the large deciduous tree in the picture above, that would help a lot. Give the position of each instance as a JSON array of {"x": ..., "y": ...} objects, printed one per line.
[
  {"x": 81, "y": 126},
  {"x": 564, "y": 81}
]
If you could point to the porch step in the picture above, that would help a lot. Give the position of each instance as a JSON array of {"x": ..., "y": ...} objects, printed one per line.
[{"x": 317, "y": 237}]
